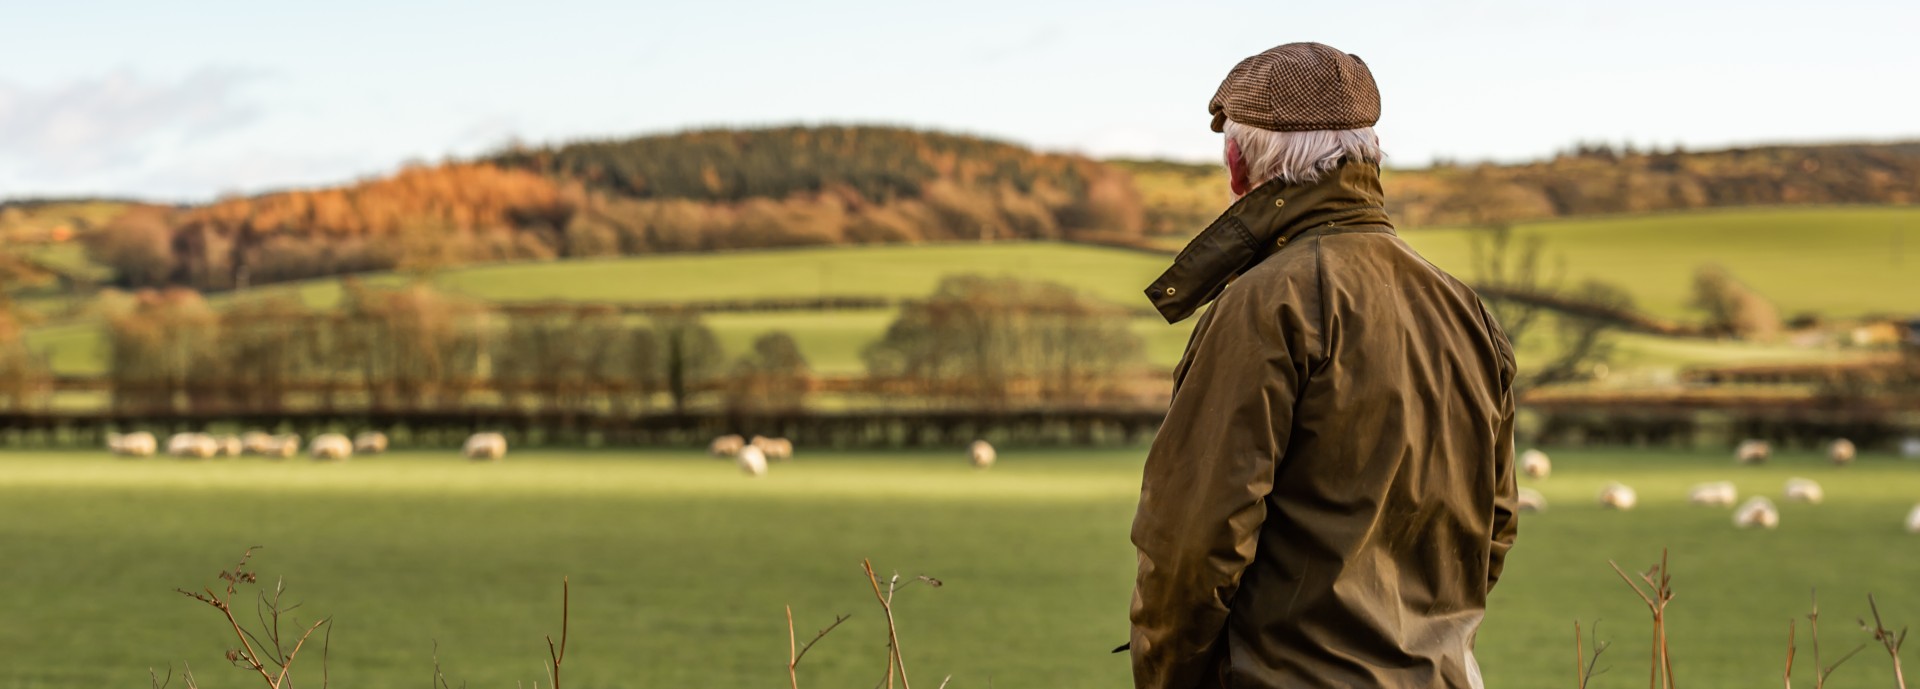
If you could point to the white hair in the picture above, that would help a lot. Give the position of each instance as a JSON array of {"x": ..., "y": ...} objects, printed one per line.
[{"x": 1300, "y": 157}]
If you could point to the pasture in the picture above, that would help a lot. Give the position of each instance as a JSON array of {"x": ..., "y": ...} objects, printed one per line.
[{"x": 680, "y": 566}]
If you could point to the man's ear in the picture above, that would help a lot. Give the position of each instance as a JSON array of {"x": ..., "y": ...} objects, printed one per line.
[{"x": 1237, "y": 169}]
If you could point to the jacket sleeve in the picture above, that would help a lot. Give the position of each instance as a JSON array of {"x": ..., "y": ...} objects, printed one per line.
[
  {"x": 1506, "y": 497},
  {"x": 1202, "y": 499},
  {"x": 1506, "y": 494}
]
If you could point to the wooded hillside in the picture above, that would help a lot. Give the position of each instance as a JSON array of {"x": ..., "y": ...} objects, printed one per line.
[{"x": 695, "y": 191}]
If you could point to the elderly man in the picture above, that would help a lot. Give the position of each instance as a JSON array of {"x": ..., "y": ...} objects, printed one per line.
[{"x": 1332, "y": 494}]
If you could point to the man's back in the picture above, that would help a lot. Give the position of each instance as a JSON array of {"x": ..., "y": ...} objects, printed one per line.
[{"x": 1329, "y": 501}]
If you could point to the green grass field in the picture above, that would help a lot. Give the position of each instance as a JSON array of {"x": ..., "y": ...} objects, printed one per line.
[{"x": 680, "y": 567}]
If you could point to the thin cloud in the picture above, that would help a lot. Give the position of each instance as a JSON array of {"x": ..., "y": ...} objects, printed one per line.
[{"x": 114, "y": 121}]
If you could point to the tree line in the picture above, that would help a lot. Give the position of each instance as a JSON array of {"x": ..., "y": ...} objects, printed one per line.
[
  {"x": 975, "y": 343},
  {"x": 694, "y": 191}
]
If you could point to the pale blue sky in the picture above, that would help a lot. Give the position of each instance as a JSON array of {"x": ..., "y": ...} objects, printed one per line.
[{"x": 188, "y": 100}]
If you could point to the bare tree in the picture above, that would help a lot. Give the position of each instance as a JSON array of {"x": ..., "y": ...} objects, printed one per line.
[{"x": 1518, "y": 289}]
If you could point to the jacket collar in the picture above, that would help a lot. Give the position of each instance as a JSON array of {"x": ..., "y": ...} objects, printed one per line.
[{"x": 1258, "y": 225}]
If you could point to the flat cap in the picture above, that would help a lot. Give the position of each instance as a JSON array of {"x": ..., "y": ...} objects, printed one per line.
[{"x": 1298, "y": 87}]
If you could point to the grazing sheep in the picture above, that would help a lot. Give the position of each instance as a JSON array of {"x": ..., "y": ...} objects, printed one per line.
[
  {"x": 1618, "y": 496},
  {"x": 1841, "y": 452},
  {"x": 981, "y": 454},
  {"x": 192, "y": 445},
  {"x": 726, "y": 445},
  {"x": 281, "y": 446},
  {"x": 1756, "y": 511},
  {"x": 1535, "y": 464},
  {"x": 1531, "y": 501},
  {"x": 752, "y": 461},
  {"x": 1910, "y": 448},
  {"x": 228, "y": 446},
  {"x": 331, "y": 446},
  {"x": 485, "y": 447},
  {"x": 1804, "y": 490},
  {"x": 1752, "y": 452},
  {"x": 137, "y": 444},
  {"x": 258, "y": 443},
  {"x": 1913, "y": 520},
  {"x": 370, "y": 443},
  {"x": 1715, "y": 494},
  {"x": 776, "y": 449}
]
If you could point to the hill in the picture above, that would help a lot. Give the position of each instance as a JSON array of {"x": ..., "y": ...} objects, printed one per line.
[
  {"x": 693, "y": 191},
  {"x": 1181, "y": 198},
  {"x": 1839, "y": 261}
]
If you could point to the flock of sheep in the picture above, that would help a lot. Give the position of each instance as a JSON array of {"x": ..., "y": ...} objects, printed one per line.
[
  {"x": 1757, "y": 512},
  {"x": 325, "y": 447},
  {"x": 752, "y": 455}
]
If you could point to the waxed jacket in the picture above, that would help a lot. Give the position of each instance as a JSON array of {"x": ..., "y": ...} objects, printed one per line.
[{"x": 1331, "y": 496}]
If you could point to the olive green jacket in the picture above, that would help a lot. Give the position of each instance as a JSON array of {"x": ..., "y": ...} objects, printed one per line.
[{"x": 1332, "y": 495}]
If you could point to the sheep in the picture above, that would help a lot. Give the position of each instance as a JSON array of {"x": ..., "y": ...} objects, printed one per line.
[
  {"x": 752, "y": 461},
  {"x": 1913, "y": 520},
  {"x": 1752, "y": 452},
  {"x": 1531, "y": 501},
  {"x": 281, "y": 446},
  {"x": 1756, "y": 511},
  {"x": 776, "y": 449},
  {"x": 258, "y": 443},
  {"x": 1841, "y": 452},
  {"x": 331, "y": 446},
  {"x": 981, "y": 454},
  {"x": 137, "y": 444},
  {"x": 1804, "y": 490},
  {"x": 1535, "y": 464},
  {"x": 1715, "y": 494},
  {"x": 1910, "y": 448},
  {"x": 192, "y": 445},
  {"x": 227, "y": 446},
  {"x": 1618, "y": 496},
  {"x": 370, "y": 443},
  {"x": 726, "y": 445},
  {"x": 485, "y": 447}
]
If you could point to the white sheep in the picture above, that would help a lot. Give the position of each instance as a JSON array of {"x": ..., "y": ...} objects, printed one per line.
[
  {"x": 726, "y": 445},
  {"x": 1752, "y": 452},
  {"x": 258, "y": 442},
  {"x": 227, "y": 446},
  {"x": 981, "y": 454},
  {"x": 1756, "y": 511},
  {"x": 370, "y": 443},
  {"x": 1804, "y": 490},
  {"x": 281, "y": 446},
  {"x": 1715, "y": 494},
  {"x": 1535, "y": 464},
  {"x": 1910, "y": 448},
  {"x": 775, "y": 449},
  {"x": 1531, "y": 501},
  {"x": 1618, "y": 496},
  {"x": 752, "y": 461},
  {"x": 1841, "y": 452},
  {"x": 136, "y": 444},
  {"x": 331, "y": 446},
  {"x": 1913, "y": 520},
  {"x": 485, "y": 447},
  {"x": 192, "y": 445}
]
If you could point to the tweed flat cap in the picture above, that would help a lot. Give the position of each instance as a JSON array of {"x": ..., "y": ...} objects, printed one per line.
[{"x": 1298, "y": 87}]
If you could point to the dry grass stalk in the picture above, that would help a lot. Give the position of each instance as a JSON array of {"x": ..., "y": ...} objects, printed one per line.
[
  {"x": 556, "y": 656},
  {"x": 1820, "y": 673},
  {"x": 1790, "y": 649},
  {"x": 794, "y": 654},
  {"x": 1659, "y": 581},
  {"x": 1584, "y": 668},
  {"x": 255, "y": 653},
  {"x": 895, "y": 663},
  {"x": 1888, "y": 639}
]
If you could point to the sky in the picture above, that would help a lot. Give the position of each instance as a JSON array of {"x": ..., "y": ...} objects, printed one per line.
[{"x": 186, "y": 101}]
